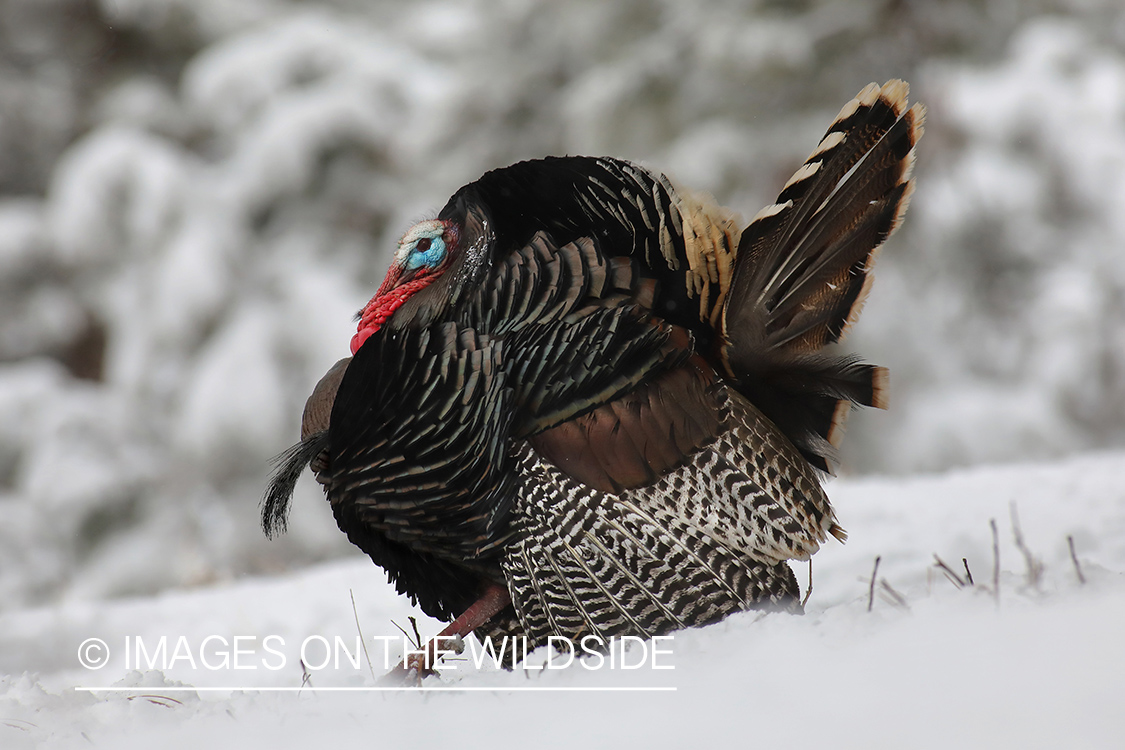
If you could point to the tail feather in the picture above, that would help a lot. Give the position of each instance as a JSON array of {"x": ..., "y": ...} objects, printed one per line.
[
  {"x": 831, "y": 263},
  {"x": 852, "y": 137},
  {"x": 803, "y": 262},
  {"x": 804, "y": 268},
  {"x": 809, "y": 400}
]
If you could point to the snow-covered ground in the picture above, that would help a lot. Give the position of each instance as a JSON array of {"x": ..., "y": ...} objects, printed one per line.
[{"x": 934, "y": 664}]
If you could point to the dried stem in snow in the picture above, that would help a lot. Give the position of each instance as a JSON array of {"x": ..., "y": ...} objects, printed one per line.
[
  {"x": 871, "y": 589},
  {"x": 949, "y": 572},
  {"x": 1034, "y": 566},
  {"x": 1074, "y": 558}
]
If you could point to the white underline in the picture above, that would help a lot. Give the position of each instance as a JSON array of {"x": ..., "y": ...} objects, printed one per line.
[{"x": 406, "y": 689}]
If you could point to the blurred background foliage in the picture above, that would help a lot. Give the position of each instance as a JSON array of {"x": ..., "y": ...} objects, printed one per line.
[{"x": 196, "y": 196}]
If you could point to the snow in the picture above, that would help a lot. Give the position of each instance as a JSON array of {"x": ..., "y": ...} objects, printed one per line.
[{"x": 1036, "y": 666}]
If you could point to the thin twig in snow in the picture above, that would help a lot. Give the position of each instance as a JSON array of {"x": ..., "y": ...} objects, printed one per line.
[
  {"x": 306, "y": 677},
  {"x": 871, "y": 589},
  {"x": 157, "y": 700},
  {"x": 808, "y": 592},
  {"x": 414, "y": 625},
  {"x": 952, "y": 576},
  {"x": 969, "y": 573},
  {"x": 415, "y": 643},
  {"x": 362, "y": 640},
  {"x": 895, "y": 597},
  {"x": 1034, "y": 566},
  {"x": 1074, "y": 557},
  {"x": 995, "y": 561}
]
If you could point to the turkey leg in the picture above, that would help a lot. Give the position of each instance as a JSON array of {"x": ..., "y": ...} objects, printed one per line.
[{"x": 421, "y": 664}]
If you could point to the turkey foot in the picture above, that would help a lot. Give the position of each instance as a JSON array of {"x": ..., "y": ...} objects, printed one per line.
[{"x": 420, "y": 664}]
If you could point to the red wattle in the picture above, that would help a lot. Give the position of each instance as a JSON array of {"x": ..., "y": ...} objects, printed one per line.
[
  {"x": 358, "y": 339},
  {"x": 383, "y": 305}
]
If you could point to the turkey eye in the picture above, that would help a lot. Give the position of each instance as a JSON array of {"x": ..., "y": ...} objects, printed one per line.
[{"x": 417, "y": 252}]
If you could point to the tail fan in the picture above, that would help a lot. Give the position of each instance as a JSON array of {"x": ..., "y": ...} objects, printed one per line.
[{"x": 804, "y": 267}]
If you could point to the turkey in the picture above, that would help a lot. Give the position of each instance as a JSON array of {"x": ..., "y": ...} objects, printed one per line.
[{"x": 586, "y": 401}]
